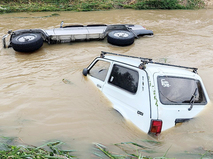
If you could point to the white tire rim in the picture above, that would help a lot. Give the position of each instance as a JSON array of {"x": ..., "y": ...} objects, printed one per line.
[
  {"x": 120, "y": 34},
  {"x": 26, "y": 38}
]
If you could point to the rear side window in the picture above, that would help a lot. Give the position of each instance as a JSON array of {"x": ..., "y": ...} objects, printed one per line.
[
  {"x": 177, "y": 90},
  {"x": 124, "y": 78}
]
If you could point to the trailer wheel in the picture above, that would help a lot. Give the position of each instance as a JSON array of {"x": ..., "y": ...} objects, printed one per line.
[
  {"x": 27, "y": 42},
  {"x": 120, "y": 38}
]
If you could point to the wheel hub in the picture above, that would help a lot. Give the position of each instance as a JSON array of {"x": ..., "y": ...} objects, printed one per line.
[
  {"x": 121, "y": 34},
  {"x": 26, "y": 38}
]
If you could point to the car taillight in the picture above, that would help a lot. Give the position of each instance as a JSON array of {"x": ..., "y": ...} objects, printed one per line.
[{"x": 156, "y": 126}]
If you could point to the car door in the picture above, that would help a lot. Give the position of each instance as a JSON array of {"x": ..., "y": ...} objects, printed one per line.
[
  {"x": 127, "y": 89},
  {"x": 99, "y": 71}
]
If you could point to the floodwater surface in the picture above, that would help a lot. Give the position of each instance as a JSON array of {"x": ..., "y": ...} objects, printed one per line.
[{"x": 38, "y": 106}]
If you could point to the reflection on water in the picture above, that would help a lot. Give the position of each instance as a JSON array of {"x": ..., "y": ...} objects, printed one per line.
[{"x": 37, "y": 105}]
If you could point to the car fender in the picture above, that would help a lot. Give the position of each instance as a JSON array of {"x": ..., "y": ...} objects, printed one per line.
[
  {"x": 121, "y": 111},
  {"x": 117, "y": 106}
]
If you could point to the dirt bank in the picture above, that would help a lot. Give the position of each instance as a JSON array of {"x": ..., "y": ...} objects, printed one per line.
[{"x": 209, "y": 4}]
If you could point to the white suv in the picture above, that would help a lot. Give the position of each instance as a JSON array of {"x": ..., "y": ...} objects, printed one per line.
[{"x": 153, "y": 96}]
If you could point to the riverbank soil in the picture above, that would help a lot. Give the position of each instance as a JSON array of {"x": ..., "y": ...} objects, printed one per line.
[{"x": 208, "y": 4}]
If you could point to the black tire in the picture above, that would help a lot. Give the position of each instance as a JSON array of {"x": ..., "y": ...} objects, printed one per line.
[
  {"x": 120, "y": 38},
  {"x": 27, "y": 42}
]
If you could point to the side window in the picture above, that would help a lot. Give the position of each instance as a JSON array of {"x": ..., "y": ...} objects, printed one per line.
[
  {"x": 124, "y": 78},
  {"x": 99, "y": 70}
]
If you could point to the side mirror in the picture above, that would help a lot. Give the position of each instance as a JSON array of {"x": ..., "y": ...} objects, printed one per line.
[{"x": 85, "y": 71}]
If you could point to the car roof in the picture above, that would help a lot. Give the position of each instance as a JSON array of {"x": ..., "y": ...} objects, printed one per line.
[
  {"x": 127, "y": 60},
  {"x": 153, "y": 66}
]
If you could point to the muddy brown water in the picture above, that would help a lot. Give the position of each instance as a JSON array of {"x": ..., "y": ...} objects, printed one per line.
[{"x": 37, "y": 106}]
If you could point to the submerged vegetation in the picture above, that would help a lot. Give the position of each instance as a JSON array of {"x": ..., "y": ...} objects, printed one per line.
[
  {"x": 14, "y": 148},
  {"x": 10, "y": 148},
  {"x": 7, "y": 6}
]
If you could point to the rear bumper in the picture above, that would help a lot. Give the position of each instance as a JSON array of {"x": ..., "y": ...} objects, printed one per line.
[
  {"x": 144, "y": 32},
  {"x": 182, "y": 120},
  {"x": 5, "y": 44}
]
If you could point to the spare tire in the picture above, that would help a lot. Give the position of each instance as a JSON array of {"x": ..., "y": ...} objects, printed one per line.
[
  {"x": 120, "y": 37},
  {"x": 27, "y": 42}
]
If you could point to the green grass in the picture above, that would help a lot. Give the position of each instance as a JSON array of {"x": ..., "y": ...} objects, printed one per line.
[
  {"x": 7, "y": 6},
  {"x": 136, "y": 151},
  {"x": 9, "y": 149},
  {"x": 128, "y": 148}
]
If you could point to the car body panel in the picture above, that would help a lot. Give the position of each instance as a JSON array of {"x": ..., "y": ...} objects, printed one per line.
[
  {"x": 138, "y": 113},
  {"x": 145, "y": 105},
  {"x": 174, "y": 112}
]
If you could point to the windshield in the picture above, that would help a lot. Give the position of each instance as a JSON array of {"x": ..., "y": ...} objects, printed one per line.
[{"x": 176, "y": 90}]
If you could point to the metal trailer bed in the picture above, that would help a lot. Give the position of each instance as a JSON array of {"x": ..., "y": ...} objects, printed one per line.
[{"x": 29, "y": 40}]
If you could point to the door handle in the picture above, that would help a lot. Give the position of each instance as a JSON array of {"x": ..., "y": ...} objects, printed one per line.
[{"x": 98, "y": 85}]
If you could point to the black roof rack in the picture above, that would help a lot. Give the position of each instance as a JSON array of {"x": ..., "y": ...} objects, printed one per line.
[
  {"x": 147, "y": 60},
  {"x": 141, "y": 58},
  {"x": 193, "y": 68}
]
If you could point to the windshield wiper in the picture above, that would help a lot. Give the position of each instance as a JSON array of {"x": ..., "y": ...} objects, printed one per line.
[{"x": 192, "y": 100}]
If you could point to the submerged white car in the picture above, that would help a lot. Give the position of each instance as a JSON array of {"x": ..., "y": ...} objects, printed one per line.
[
  {"x": 29, "y": 40},
  {"x": 153, "y": 96}
]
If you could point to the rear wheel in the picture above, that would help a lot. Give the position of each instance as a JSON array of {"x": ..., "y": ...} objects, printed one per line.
[
  {"x": 120, "y": 38},
  {"x": 27, "y": 42}
]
